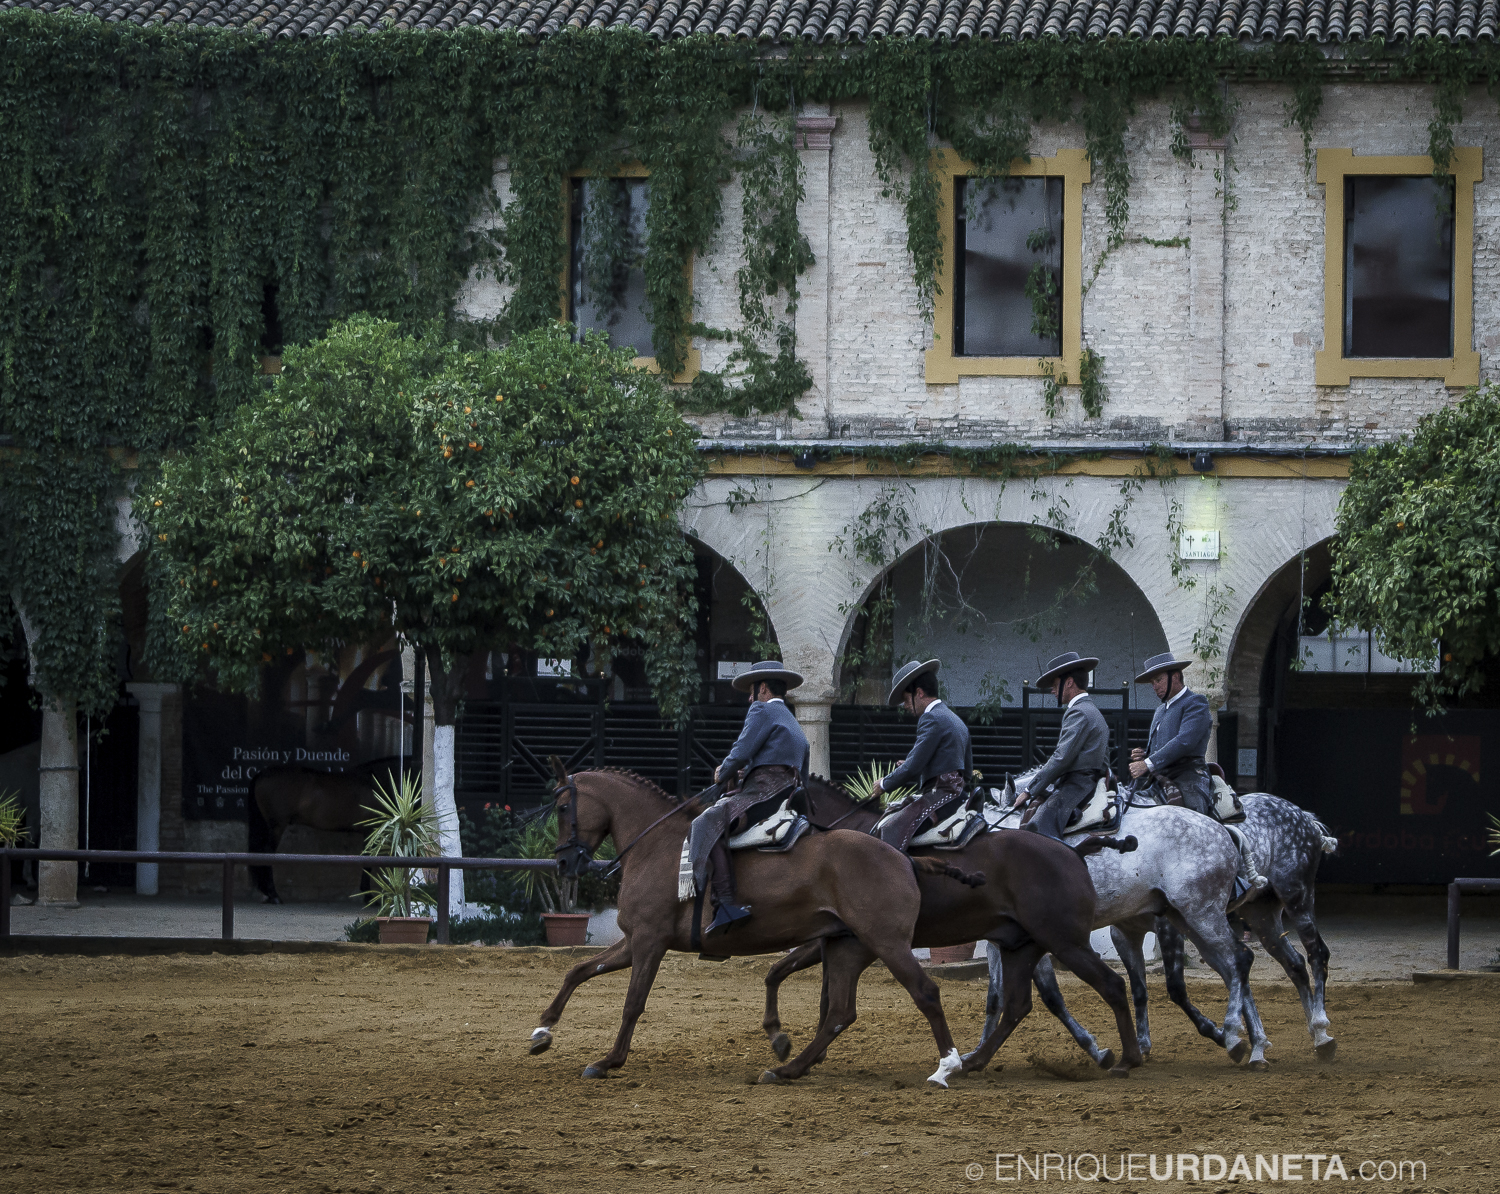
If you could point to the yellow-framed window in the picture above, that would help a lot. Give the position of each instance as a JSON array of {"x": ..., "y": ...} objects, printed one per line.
[
  {"x": 604, "y": 288},
  {"x": 1398, "y": 268},
  {"x": 1009, "y": 297}
]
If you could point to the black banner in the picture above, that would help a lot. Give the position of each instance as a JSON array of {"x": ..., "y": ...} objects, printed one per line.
[
  {"x": 1406, "y": 807},
  {"x": 327, "y": 715}
]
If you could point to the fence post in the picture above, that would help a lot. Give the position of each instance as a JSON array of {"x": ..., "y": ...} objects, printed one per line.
[
  {"x": 4, "y": 895},
  {"x": 227, "y": 894},
  {"x": 1455, "y": 895},
  {"x": 442, "y": 903}
]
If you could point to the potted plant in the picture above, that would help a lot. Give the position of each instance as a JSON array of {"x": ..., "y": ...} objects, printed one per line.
[
  {"x": 400, "y": 828},
  {"x": 12, "y": 818},
  {"x": 558, "y": 893}
]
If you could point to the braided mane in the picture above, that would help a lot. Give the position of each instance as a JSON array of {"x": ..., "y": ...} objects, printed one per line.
[{"x": 634, "y": 777}]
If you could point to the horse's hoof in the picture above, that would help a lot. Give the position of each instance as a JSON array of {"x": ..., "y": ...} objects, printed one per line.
[
  {"x": 595, "y": 1071},
  {"x": 1107, "y": 1059},
  {"x": 770, "y": 1078},
  {"x": 1120, "y": 1071},
  {"x": 1259, "y": 1065},
  {"x": 781, "y": 1045},
  {"x": 970, "y": 1067},
  {"x": 541, "y": 1041},
  {"x": 1326, "y": 1050},
  {"x": 1240, "y": 1051}
]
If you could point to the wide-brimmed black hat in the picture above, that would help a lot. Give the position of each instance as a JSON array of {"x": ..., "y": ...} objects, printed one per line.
[
  {"x": 766, "y": 669},
  {"x": 1165, "y": 662},
  {"x": 908, "y": 673},
  {"x": 1068, "y": 661}
]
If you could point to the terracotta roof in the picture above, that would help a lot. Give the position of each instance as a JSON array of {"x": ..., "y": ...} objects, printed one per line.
[{"x": 832, "y": 20}]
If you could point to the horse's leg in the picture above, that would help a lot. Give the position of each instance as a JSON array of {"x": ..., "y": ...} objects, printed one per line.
[
  {"x": 1017, "y": 967},
  {"x": 616, "y": 957},
  {"x": 992, "y": 996},
  {"x": 844, "y": 960},
  {"x": 1093, "y": 969},
  {"x": 903, "y": 964},
  {"x": 1129, "y": 946},
  {"x": 1211, "y": 933},
  {"x": 1317, "y": 962},
  {"x": 1045, "y": 979},
  {"x": 1170, "y": 942},
  {"x": 645, "y": 961},
  {"x": 800, "y": 958},
  {"x": 1244, "y": 960}
]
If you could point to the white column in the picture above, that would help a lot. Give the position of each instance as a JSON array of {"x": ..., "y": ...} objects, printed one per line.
[
  {"x": 148, "y": 780},
  {"x": 1203, "y": 418},
  {"x": 816, "y": 718},
  {"x": 815, "y": 143},
  {"x": 57, "y": 882}
]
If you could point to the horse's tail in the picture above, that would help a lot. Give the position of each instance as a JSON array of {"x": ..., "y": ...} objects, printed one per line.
[
  {"x": 1330, "y": 843},
  {"x": 936, "y": 866},
  {"x": 1092, "y": 845}
]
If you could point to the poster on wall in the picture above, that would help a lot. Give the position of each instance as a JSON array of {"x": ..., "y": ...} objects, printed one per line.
[{"x": 315, "y": 712}]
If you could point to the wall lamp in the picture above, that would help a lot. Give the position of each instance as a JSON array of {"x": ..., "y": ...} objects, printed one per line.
[{"x": 1203, "y": 462}]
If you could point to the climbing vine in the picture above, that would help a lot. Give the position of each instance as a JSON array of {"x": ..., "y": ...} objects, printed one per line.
[{"x": 179, "y": 202}]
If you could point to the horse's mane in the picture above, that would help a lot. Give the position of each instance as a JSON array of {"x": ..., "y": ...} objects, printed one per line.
[{"x": 634, "y": 777}]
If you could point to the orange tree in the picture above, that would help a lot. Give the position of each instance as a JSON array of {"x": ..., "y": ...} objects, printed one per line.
[{"x": 466, "y": 500}]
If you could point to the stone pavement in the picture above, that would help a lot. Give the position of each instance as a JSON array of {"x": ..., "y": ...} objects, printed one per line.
[{"x": 1370, "y": 937}]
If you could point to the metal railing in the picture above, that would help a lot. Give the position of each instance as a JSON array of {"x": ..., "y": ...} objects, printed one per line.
[
  {"x": 228, "y": 862},
  {"x": 1456, "y": 890}
]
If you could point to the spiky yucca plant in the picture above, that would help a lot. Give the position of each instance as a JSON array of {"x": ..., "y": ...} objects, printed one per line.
[
  {"x": 399, "y": 828},
  {"x": 11, "y": 817},
  {"x": 862, "y": 783}
]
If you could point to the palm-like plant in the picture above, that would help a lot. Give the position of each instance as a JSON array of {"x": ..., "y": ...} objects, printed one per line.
[
  {"x": 400, "y": 827},
  {"x": 1494, "y": 833},
  {"x": 11, "y": 817},
  {"x": 862, "y": 783},
  {"x": 558, "y": 893}
]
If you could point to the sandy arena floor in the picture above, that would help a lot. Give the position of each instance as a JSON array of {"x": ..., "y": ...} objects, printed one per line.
[{"x": 397, "y": 1073}]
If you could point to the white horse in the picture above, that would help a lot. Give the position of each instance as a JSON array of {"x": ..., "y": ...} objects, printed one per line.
[{"x": 1183, "y": 870}]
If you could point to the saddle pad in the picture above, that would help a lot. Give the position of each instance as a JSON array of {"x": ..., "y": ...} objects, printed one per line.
[
  {"x": 1227, "y": 806},
  {"x": 955, "y": 831},
  {"x": 770, "y": 831},
  {"x": 1098, "y": 812}
]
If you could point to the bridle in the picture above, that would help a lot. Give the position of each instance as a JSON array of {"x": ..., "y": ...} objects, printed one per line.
[{"x": 573, "y": 856}]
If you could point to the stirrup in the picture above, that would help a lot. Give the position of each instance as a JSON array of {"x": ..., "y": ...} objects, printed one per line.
[{"x": 726, "y": 917}]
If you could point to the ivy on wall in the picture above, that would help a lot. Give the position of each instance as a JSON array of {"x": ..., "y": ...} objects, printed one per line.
[{"x": 167, "y": 191}]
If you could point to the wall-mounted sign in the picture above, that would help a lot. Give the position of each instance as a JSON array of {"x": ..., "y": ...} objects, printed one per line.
[{"x": 1198, "y": 545}]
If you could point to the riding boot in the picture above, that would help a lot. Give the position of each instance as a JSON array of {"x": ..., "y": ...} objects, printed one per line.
[
  {"x": 1248, "y": 883},
  {"x": 721, "y": 881}
]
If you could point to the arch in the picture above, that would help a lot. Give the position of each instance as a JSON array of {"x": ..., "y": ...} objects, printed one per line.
[
  {"x": 997, "y": 598},
  {"x": 734, "y": 625}
]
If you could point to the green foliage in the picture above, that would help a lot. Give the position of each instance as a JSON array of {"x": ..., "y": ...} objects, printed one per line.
[
  {"x": 12, "y": 824},
  {"x": 498, "y": 834},
  {"x": 1417, "y": 554},
  {"x": 464, "y": 500},
  {"x": 400, "y": 828}
]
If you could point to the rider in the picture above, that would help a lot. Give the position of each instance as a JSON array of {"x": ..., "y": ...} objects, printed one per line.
[
  {"x": 1082, "y": 754},
  {"x": 772, "y": 752},
  {"x": 1176, "y": 752},
  {"x": 938, "y": 760}
]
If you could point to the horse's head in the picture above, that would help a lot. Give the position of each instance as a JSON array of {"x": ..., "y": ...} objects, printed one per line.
[{"x": 578, "y": 830}]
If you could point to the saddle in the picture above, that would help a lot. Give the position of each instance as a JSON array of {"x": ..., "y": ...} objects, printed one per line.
[
  {"x": 773, "y": 834},
  {"x": 1101, "y": 812},
  {"x": 952, "y": 832},
  {"x": 1227, "y": 806}
]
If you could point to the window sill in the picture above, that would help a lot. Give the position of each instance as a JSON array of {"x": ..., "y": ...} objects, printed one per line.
[
  {"x": 692, "y": 365},
  {"x": 1456, "y": 372},
  {"x": 943, "y": 368}
]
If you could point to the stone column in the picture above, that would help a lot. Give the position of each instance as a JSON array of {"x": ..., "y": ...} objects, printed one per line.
[
  {"x": 57, "y": 882},
  {"x": 1203, "y": 416},
  {"x": 815, "y": 142},
  {"x": 148, "y": 780},
  {"x": 816, "y": 718}
]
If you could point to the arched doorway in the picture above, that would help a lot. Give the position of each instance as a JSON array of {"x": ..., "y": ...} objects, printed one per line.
[{"x": 995, "y": 601}]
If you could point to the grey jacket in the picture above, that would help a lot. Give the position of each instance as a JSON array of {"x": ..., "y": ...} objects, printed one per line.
[
  {"x": 1179, "y": 733},
  {"x": 942, "y": 745},
  {"x": 772, "y": 736},
  {"x": 1083, "y": 745}
]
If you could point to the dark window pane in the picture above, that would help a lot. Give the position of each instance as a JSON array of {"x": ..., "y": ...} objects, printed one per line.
[
  {"x": 1008, "y": 233},
  {"x": 1398, "y": 267},
  {"x": 606, "y": 273}
]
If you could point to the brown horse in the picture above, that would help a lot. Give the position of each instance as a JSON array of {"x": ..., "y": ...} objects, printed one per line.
[
  {"x": 852, "y": 892},
  {"x": 281, "y": 797},
  {"x": 1037, "y": 899}
]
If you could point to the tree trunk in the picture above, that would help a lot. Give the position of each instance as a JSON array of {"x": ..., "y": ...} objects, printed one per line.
[{"x": 446, "y": 686}]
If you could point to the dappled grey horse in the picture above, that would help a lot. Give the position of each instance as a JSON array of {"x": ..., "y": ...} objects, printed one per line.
[
  {"x": 1182, "y": 872},
  {"x": 1286, "y": 844}
]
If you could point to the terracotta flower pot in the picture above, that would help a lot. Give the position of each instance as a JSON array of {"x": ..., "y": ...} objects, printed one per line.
[
  {"x": 403, "y": 930},
  {"x": 566, "y": 928},
  {"x": 943, "y": 954}
]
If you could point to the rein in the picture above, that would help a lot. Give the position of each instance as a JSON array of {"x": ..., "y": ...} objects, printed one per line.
[{"x": 867, "y": 800}]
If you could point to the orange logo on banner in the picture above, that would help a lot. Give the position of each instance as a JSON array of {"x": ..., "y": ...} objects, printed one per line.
[{"x": 1419, "y": 755}]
